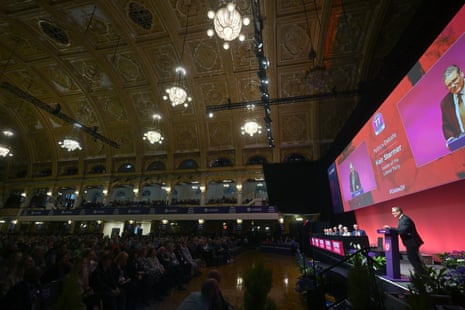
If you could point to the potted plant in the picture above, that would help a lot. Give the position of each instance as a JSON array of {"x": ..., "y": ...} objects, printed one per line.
[
  {"x": 362, "y": 289},
  {"x": 258, "y": 282}
]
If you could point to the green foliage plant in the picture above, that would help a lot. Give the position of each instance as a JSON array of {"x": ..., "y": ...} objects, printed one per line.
[{"x": 258, "y": 283}]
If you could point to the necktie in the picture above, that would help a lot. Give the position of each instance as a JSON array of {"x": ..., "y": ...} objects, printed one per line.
[{"x": 461, "y": 108}]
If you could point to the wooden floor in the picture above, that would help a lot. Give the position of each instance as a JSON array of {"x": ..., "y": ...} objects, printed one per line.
[{"x": 285, "y": 274}]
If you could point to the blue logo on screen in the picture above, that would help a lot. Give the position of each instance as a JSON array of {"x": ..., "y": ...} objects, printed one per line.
[{"x": 378, "y": 123}]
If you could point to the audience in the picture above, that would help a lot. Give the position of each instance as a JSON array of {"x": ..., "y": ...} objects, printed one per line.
[{"x": 132, "y": 271}]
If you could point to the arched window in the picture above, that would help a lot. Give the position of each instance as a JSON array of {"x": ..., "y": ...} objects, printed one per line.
[
  {"x": 221, "y": 162},
  {"x": 256, "y": 160},
  {"x": 188, "y": 164},
  {"x": 127, "y": 167},
  {"x": 156, "y": 165},
  {"x": 294, "y": 158}
]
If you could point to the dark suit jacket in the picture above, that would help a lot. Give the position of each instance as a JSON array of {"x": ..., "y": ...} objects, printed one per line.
[
  {"x": 408, "y": 232},
  {"x": 354, "y": 179},
  {"x": 360, "y": 231},
  {"x": 450, "y": 124}
]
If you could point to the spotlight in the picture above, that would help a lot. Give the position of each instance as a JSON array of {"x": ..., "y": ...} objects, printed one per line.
[{"x": 264, "y": 63}]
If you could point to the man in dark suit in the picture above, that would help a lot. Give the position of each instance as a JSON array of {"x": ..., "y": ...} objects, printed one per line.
[
  {"x": 452, "y": 106},
  {"x": 354, "y": 179},
  {"x": 410, "y": 238},
  {"x": 357, "y": 231}
]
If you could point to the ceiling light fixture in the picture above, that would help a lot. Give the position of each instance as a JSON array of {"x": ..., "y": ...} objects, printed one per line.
[
  {"x": 5, "y": 151},
  {"x": 8, "y": 133},
  {"x": 177, "y": 94},
  {"x": 70, "y": 145},
  {"x": 251, "y": 128},
  {"x": 227, "y": 23},
  {"x": 153, "y": 136}
]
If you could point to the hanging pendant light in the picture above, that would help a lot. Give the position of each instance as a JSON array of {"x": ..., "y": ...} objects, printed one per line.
[
  {"x": 227, "y": 24},
  {"x": 251, "y": 128},
  {"x": 70, "y": 144},
  {"x": 177, "y": 94}
]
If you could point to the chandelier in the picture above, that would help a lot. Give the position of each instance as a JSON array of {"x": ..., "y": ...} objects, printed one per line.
[
  {"x": 70, "y": 145},
  {"x": 177, "y": 94},
  {"x": 153, "y": 136},
  {"x": 5, "y": 151},
  {"x": 227, "y": 22},
  {"x": 251, "y": 128}
]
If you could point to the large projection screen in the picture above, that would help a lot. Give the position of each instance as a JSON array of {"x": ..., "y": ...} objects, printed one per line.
[{"x": 415, "y": 140}]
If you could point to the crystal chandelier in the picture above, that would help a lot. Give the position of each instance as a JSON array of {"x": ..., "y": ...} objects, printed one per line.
[
  {"x": 70, "y": 145},
  {"x": 227, "y": 22},
  {"x": 5, "y": 151},
  {"x": 177, "y": 94},
  {"x": 251, "y": 128},
  {"x": 153, "y": 136}
]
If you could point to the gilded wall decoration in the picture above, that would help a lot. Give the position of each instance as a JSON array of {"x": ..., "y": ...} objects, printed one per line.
[
  {"x": 248, "y": 89},
  {"x": 60, "y": 79},
  {"x": 85, "y": 113},
  {"x": 220, "y": 133},
  {"x": 99, "y": 28},
  {"x": 144, "y": 104},
  {"x": 113, "y": 107},
  {"x": 186, "y": 137},
  {"x": 294, "y": 127},
  {"x": 127, "y": 66},
  {"x": 295, "y": 42},
  {"x": 206, "y": 56},
  {"x": 213, "y": 92},
  {"x": 291, "y": 84},
  {"x": 90, "y": 73}
]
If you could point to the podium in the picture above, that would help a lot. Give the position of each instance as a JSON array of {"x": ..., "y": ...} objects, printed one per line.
[{"x": 391, "y": 251}]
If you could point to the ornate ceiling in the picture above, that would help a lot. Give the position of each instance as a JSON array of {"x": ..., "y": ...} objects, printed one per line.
[{"x": 106, "y": 63}]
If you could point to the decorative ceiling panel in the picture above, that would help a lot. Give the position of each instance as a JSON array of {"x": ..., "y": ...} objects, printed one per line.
[{"x": 106, "y": 64}]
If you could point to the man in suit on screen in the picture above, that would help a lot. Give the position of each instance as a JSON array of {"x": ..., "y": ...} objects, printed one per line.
[
  {"x": 452, "y": 106},
  {"x": 354, "y": 179}
]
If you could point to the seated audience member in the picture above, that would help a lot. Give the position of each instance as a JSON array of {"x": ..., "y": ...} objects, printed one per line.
[
  {"x": 357, "y": 231},
  {"x": 335, "y": 231},
  {"x": 172, "y": 266},
  {"x": 104, "y": 284},
  {"x": 224, "y": 305},
  {"x": 346, "y": 232},
  {"x": 27, "y": 293},
  {"x": 207, "y": 299}
]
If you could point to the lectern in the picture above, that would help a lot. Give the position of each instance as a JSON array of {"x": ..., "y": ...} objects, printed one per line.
[{"x": 391, "y": 251}]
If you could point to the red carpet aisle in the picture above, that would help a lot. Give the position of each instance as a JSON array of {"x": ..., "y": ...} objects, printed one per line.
[{"x": 285, "y": 274}]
